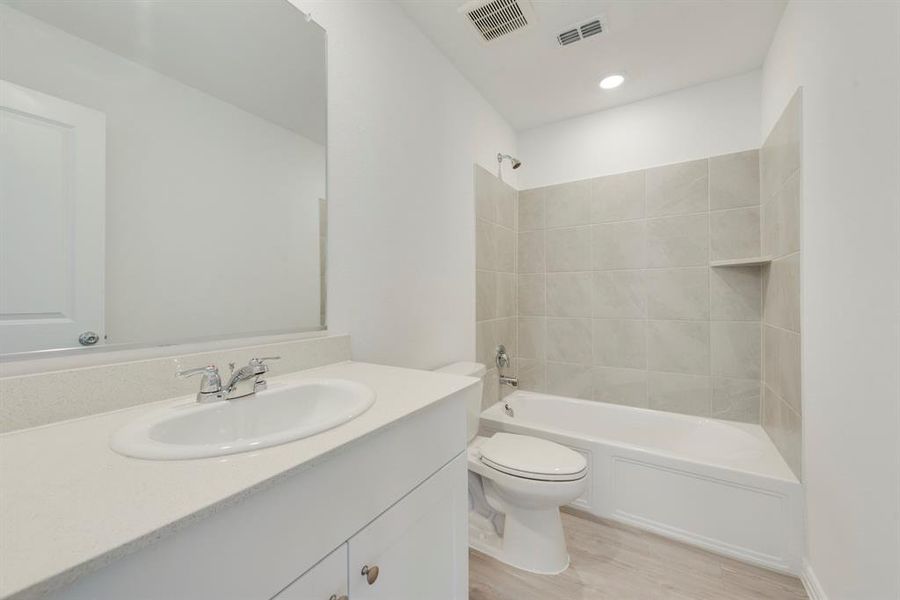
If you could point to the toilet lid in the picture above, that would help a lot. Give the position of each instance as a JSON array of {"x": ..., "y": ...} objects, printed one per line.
[{"x": 532, "y": 458}]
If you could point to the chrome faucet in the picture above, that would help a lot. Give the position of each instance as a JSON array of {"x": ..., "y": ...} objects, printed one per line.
[
  {"x": 243, "y": 382},
  {"x": 247, "y": 380},
  {"x": 503, "y": 362}
]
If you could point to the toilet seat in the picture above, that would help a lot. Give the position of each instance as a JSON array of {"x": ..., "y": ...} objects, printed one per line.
[{"x": 532, "y": 458}]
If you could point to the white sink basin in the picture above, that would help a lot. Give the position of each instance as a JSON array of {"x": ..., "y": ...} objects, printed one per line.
[{"x": 283, "y": 413}]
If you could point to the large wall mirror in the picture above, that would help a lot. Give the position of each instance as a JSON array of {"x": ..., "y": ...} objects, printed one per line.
[{"x": 162, "y": 172}]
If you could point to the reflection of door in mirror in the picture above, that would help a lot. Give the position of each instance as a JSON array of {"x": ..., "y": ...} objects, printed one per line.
[{"x": 52, "y": 182}]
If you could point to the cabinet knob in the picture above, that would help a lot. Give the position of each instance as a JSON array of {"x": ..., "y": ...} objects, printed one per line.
[
  {"x": 336, "y": 597},
  {"x": 371, "y": 573}
]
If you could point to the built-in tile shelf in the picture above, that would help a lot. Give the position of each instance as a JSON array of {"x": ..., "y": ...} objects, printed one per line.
[{"x": 742, "y": 262}]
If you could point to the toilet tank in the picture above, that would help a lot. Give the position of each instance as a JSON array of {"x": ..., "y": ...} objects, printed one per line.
[{"x": 473, "y": 408}]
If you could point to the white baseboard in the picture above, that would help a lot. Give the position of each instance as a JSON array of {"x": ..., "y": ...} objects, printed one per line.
[{"x": 811, "y": 583}]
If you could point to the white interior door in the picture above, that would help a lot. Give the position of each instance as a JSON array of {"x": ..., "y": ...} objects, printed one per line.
[{"x": 52, "y": 213}]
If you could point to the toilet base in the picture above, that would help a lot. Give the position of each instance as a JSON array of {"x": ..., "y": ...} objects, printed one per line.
[{"x": 531, "y": 542}]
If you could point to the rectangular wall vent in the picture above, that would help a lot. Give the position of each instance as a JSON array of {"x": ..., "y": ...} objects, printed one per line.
[
  {"x": 498, "y": 18},
  {"x": 576, "y": 33}
]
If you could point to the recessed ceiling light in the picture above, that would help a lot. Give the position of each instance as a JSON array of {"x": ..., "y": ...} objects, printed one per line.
[{"x": 611, "y": 81}]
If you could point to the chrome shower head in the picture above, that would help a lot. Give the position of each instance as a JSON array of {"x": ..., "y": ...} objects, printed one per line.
[{"x": 516, "y": 163}]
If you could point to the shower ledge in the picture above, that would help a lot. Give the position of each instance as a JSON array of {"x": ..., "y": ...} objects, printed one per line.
[{"x": 742, "y": 262}]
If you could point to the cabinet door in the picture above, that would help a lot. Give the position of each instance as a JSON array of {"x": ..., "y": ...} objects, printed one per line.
[
  {"x": 326, "y": 580},
  {"x": 417, "y": 549}
]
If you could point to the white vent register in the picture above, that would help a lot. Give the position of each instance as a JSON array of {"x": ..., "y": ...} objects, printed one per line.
[{"x": 493, "y": 19}]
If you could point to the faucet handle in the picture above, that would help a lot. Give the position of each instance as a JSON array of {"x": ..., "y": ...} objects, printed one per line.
[
  {"x": 191, "y": 372},
  {"x": 210, "y": 383},
  {"x": 259, "y": 361}
]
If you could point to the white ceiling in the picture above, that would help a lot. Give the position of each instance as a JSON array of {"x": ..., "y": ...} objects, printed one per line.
[
  {"x": 660, "y": 45},
  {"x": 261, "y": 55}
]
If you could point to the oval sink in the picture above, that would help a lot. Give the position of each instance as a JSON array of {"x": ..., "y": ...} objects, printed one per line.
[{"x": 283, "y": 413}]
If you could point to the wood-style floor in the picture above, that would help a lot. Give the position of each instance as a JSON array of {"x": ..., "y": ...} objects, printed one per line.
[{"x": 616, "y": 562}]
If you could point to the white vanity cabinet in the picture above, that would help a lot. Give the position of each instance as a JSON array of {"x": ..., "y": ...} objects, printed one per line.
[
  {"x": 394, "y": 499},
  {"x": 325, "y": 581},
  {"x": 412, "y": 550}
]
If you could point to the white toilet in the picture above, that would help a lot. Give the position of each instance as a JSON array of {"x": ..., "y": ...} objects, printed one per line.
[{"x": 523, "y": 480}]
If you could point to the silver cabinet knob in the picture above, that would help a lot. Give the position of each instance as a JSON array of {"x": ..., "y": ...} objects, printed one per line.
[
  {"x": 88, "y": 338},
  {"x": 371, "y": 573}
]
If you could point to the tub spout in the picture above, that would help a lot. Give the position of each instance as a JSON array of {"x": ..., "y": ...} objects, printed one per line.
[{"x": 510, "y": 381}]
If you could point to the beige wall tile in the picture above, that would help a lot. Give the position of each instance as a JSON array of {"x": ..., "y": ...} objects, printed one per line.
[
  {"x": 678, "y": 241},
  {"x": 619, "y": 245},
  {"x": 678, "y": 346},
  {"x": 485, "y": 246},
  {"x": 678, "y": 293},
  {"x": 735, "y": 349},
  {"x": 735, "y": 294},
  {"x": 619, "y": 294},
  {"x": 531, "y": 252},
  {"x": 620, "y": 343},
  {"x": 734, "y": 233},
  {"x": 532, "y": 294},
  {"x": 781, "y": 299},
  {"x": 780, "y": 155},
  {"x": 532, "y": 375},
  {"x": 485, "y": 345},
  {"x": 617, "y": 197},
  {"x": 734, "y": 180},
  {"x": 568, "y": 204},
  {"x": 506, "y": 205},
  {"x": 566, "y": 379},
  {"x": 506, "y": 249},
  {"x": 506, "y": 295},
  {"x": 784, "y": 428},
  {"x": 620, "y": 386},
  {"x": 781, "y": 357},
  {"x": 532, "y": 209},
  {"x": 485, "y": 295},
  {"x": 532, "y": 338},
  {"x": 505, "y": 332},
  {"x": 489, "y": 334},
  {"x": 490, "y": 390},
  {"x": 781, "y": 219},
  {"x": 569, "y": 340},
  {"x": 677, "y": 392},
  {"x": 569, "y": 294},
  {"x": 736, "y": 399},
  {"x": 569, "y": 249},
  {"x": 678, "y": 189}
]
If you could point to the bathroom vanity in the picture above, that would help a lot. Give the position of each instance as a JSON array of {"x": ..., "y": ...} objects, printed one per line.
[{"x": 374, "y": 508}]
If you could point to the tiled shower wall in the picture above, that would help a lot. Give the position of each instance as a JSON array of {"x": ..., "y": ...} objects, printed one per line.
[
  {"x": 495, "y": 276},
  {"x": 780, "y": 162},
  {"x": 617, "y": 301}
]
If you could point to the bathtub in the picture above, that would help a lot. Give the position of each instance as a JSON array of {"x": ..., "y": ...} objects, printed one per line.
[{"x": 719, "y": 485}]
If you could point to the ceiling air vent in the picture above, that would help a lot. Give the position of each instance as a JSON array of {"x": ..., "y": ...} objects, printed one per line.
[
  {"x": 576, "y": 33},
  {"x": 497, "y": 18}
]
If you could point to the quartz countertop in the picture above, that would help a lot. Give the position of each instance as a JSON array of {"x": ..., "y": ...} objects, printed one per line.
[{"x": 70, "y": 505}]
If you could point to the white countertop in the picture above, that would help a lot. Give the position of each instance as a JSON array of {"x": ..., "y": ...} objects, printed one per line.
[{"x": 70, "y": 505}]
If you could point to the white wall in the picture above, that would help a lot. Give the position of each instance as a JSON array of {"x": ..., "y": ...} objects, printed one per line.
[
  {"x": 697, "y": 122},
  {"x": 846, "y": 55},
  {"x": 208, "y": 206},
  {"x": 404, "y": 130}
]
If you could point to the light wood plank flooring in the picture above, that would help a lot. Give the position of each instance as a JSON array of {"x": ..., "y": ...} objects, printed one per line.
[{"x": 616, "y": 562}]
